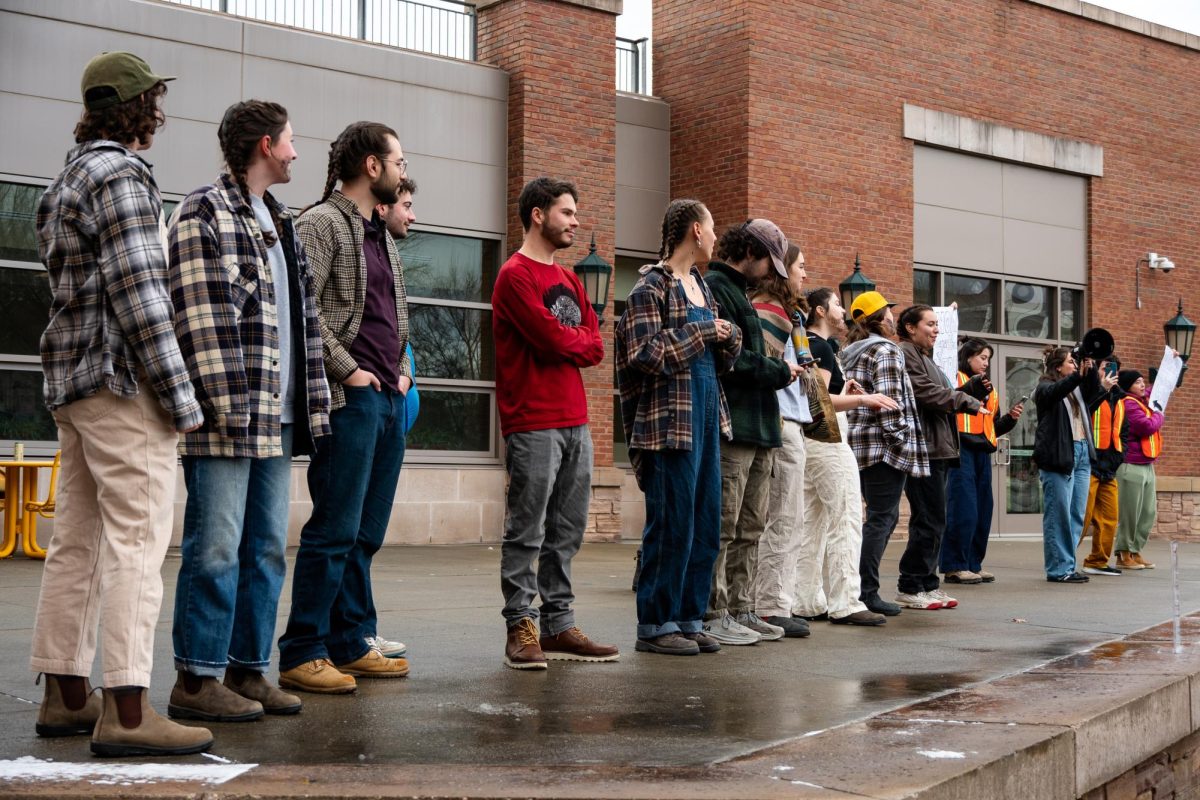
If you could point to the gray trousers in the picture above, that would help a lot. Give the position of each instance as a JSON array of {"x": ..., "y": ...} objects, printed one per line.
[
  {"x": 549, "y": 492},
  {"x": 745, "y": 488}
]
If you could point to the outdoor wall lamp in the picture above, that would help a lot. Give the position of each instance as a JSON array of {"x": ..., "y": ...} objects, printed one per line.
[
  {"x": 1153, "y": 261},
  {"x": 594, "y": 273},
  {"x": 855, "y": 285},
  {"x": 1180, "y": 332}
]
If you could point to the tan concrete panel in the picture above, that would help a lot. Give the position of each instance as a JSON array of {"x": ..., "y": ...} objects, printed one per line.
[
  {"x": 454, "y": 523},
  {"x": 1039, "y": 195},
  {"x": 408, "y": 524},
  {"x": 649, "y": 112},
  {"x": 643, "y": 157},
  {"x": 639, "y": 218},
  {"x": 1046, "y": 252},
  {"x": 960, "y": 239},
  {"x": 955, "y": 180},
  {"x": 481, "y": 485},
  {"x": 172, "y": 23},
  {"x": 35, "y": 150}
]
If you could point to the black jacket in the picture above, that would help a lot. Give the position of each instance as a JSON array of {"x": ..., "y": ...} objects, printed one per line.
[{"x": 1053, "y": 445}]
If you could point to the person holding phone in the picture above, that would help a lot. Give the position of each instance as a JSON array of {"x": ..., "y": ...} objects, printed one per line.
[{"x": 1102, "y": 503}]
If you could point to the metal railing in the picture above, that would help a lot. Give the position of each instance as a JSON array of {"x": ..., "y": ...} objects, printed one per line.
[
  {"x": 633, "y": 65},
  {"x": 440, "y": 27}
]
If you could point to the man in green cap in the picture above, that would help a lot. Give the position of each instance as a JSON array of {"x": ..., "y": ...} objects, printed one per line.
[{"x": 120, "y": 394}]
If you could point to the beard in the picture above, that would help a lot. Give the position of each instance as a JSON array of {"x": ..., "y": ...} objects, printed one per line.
[
  {"x": 385, "y": 194},
  {"x": 561, "y": 238}
]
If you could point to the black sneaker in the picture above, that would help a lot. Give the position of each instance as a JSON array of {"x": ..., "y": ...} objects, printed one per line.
[
  {"x": 792, "y": 628},
  {"x": 822, "y": 617},
  {"x": 1070, "y": 577},
  {"x": 706, "y": 643},
  {"x": 881, "y": 606},
  {"x": 1101, "y": 571},
  {"x": 669, "y": 644}
]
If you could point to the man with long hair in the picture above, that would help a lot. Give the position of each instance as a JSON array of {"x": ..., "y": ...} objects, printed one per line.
[
  {"x": 362, "y": 310},
  {"x": 119, "y": 392},
  {"x": 247, "y": 326}
]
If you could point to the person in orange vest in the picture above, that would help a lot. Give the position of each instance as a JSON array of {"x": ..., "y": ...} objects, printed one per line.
[
  {"x": 1142, "y": 440},
  {"x": 969, "y": 512},
  {"x": 1107, "y": 412}
]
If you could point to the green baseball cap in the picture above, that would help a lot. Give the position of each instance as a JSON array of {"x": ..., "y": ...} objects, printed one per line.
[{"x": 124, "y": 74}]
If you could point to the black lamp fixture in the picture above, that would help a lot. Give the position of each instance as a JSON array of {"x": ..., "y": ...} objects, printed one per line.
[
  {"x": 855, "y": 285},
  {"x": 1180, "y": 333},
  {"x": 594, "y": 272}
]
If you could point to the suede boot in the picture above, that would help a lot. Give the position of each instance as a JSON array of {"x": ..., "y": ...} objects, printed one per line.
[
  {"x": 153, "y": 735},
  {"x": 254, "y": 686},
  {"x": 56, "y": 719},
  {"x": 205, "y": 699}
]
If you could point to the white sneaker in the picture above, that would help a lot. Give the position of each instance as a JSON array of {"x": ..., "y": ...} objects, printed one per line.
[
  {"x": 946, "y": 600},
  {"x": 727, "y": 630},
  {"x": 387, "y": 648},
  {"x": 766, "y": 630},
  {"x": 920, "y": 601}
]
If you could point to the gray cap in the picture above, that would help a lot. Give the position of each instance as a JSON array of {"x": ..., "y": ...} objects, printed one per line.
[{"x": 772, "y": 238}]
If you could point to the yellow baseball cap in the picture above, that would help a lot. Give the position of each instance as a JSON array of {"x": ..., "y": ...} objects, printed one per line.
[{"x": 867, "y": 304}]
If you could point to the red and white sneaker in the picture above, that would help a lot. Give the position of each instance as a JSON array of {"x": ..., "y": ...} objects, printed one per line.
[
  {"x": 921, "y": 601},
  {"x": 946, "y": 600}
]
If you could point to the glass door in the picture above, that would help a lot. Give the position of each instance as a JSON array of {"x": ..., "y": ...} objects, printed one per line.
[{"x": 1015, "y": 370}]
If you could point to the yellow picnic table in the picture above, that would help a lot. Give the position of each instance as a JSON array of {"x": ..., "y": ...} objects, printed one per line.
[{"x": 21, "y": 506}]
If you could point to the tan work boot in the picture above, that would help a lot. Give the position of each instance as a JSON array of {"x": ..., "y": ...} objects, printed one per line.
[
  {"x": 55, "y": 719},
  {"x": 212, "y": 702},
  {"x": 1126, "y": 560},
  {"x": 255, "y": 686},
  {"x": 521, "y": 648},
  {"x": 317, "y": 676},
  {"x": 376, "y": 665},
  {"x": 153, "y": 735}
]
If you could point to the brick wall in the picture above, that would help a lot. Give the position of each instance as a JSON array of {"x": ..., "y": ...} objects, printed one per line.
[
  {"x": 559, "y": 55},
  {"x": 792, "y": 110}
]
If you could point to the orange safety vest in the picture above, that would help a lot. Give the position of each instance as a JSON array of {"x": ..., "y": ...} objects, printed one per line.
[
  {"x": 1152, "y": 445},
  {"x": 985, "y": 421},
  {"x": 1106, "y": 426}
]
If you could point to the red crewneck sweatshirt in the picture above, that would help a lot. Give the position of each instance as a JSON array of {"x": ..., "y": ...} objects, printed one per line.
[{"x": 545, "y": 331}]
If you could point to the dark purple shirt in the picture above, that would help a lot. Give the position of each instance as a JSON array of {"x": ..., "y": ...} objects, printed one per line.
[{"x": 377, "y": 346}]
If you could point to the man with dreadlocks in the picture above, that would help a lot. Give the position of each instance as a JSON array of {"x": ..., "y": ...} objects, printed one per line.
[
  {"x": 247, "y": 326},
  {"x": 362, "y": 307}
]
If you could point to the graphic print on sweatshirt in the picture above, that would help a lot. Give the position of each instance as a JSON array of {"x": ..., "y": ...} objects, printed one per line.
[{"x": 562, "y": 303}]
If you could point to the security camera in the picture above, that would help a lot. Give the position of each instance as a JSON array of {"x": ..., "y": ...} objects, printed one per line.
[{"x": 1159, "y": 262}]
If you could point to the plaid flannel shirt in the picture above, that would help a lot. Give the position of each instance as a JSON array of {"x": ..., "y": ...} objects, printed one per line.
[
  {"x": 99, "y": 236},
  {"x": 893, "y": 437},
  {"x": 655, "y": 344},
  {"x": 332, "y": 233},
  {"x": 227, "y": 323}
]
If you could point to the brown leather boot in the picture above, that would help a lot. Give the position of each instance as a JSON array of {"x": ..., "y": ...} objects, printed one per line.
[
  {"x": 153, "y": 735},
  {"x": 209, "y": 701},
  {"x": 1126, "y": 560},
  {"x": 521, "y": 649},
  {"x": 573, "y": 645},
  {"x": 56, "y": 719},
  {"x": 254, "y": 686}
]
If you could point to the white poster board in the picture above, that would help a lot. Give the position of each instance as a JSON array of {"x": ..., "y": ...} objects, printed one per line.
[
  {"x": 1169, "y": 370},
  {"x": 945, "y": 349}
]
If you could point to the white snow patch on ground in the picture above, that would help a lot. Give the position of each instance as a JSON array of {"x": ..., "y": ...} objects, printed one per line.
[
  {"x": 506, "y": 710},
  {"x": 28, "y": 768},
  {"x": 942, "y": 754}
]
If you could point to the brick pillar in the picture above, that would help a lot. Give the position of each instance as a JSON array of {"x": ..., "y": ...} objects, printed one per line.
[{"x": 561, "y": 60}]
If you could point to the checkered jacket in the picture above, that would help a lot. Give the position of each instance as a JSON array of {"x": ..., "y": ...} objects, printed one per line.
[
  {"x": 332, "y": 233},
  {"x": 892, "y": 437},
  {"x": 100, "y": 238},
  {"x": 655, "y": 344},
  {"x": 227, "y": 323}
]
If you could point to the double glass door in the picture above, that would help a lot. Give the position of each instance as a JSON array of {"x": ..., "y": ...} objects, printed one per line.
[{"x": 1015, "y": 486}]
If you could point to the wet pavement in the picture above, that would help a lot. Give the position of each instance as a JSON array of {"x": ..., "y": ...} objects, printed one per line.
[{"x": 461, "y": 706}]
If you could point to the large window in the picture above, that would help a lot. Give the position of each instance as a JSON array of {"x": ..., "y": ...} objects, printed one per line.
[
  {"x": 24, "y": 309},
  {"x": 449, "y": 280},
  {"x": 1003, "y": 306}
]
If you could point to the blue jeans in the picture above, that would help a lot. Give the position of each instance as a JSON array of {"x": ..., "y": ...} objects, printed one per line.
[
  {"x": 968, "y": 512},
  {"x": 683, "y": 518},
  {"x": 352, "y": 481},
  {"x": 1064, "y": 501},
  {"x": 234, "y": 540}
]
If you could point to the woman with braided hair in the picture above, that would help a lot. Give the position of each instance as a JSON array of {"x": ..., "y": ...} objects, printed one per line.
[
  {"x": 247, "y": 326},
  {"x": 670, "y": 346}
]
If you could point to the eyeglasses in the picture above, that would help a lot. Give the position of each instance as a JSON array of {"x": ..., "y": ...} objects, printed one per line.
[{"x": 402, "y": 163}]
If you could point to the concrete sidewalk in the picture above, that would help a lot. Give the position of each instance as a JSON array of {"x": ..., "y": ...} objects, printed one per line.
[{"x": 461, "y": 706}]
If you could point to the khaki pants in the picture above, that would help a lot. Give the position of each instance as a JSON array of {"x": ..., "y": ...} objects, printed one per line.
[
  {"x": 745, "y": 482},
  {"x": 779, "y": 545},
  {"x": 115, "y": 498},
  {"x": 1102, "y": 514}
]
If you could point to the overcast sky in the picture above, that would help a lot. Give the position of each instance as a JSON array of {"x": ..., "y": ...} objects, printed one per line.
[{"x": 1181, "y": 14}]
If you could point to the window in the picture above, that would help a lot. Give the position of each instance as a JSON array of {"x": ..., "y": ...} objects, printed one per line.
[
  {"x": 449, "y": 280},
  {"x": 976, "y": 298},
  {"x": 24, "y": 307},
  {"x": 1070, "y": 315},
  {"x": 1028, "y": 310},
  {"x": 925, "y": 287},
  {"x": 625, "y": 276}
]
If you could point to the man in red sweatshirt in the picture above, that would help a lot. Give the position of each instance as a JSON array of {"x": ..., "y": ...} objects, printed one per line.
[{"x": 545, "y": 331}]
